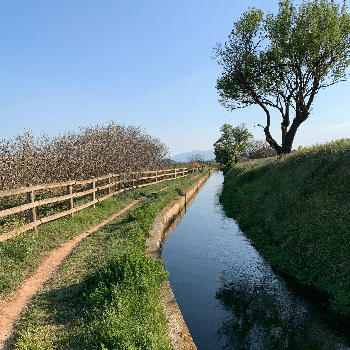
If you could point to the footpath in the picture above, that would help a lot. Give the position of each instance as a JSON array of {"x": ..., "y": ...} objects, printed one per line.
[{"x": 14, "y": 306}]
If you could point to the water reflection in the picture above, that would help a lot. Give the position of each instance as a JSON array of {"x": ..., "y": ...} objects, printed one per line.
[
  {"x": 229, "y": 295},
  {"x": 259, "y": 319}
]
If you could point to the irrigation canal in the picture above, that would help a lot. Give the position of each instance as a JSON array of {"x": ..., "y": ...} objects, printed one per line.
[{"x": 229, "y": 295}]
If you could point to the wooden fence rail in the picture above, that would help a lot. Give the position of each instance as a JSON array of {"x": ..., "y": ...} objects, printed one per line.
[{"x": 122, "y": 182}]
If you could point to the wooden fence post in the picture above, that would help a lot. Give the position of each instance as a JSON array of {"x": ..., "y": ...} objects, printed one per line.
[
  {"x": 133, "y": 181},
  {"x": 70, "y": 201},
  {"x": 175, "y": 173},
  {"x": 32, "y": 212},
  {"x": 109, "y": 182},
  {"x": 92, "y": 186}
]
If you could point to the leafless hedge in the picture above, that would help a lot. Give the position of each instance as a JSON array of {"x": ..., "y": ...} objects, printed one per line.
[
  {"x": 94, "y": 151},
  {"x": 259, "y": 149}
]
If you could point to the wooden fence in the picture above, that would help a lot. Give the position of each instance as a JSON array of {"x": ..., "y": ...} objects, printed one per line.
[{"x": 112, "y": 184}]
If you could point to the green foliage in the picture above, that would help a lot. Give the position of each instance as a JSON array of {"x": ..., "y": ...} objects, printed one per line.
[
  {"x": 232, "y": 143},
  {"x": 282, "y": 61},
  {"x": 132, "y": 269},
  {"x": 107, "y": 294},
  {"x": 124, "y": 296},
  {"x": 21, "y": 255},
  {"x": 295, "y": 209}
]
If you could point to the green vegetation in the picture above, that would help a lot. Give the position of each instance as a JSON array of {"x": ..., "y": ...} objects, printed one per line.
[
  {"x": 282, "y": 61},
  {"x": 21, "y": 255},
  {"x": 107, "y": 293},
  {"x": 124, "y": 303},
  {"x": 295, "y": 209},
  {"x": 233, "y": 142}
]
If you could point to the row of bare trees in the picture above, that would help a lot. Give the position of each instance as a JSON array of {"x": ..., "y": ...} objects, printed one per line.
[
  {"x": 259, "y": 149},
  {"x": 94, "y": 151}
]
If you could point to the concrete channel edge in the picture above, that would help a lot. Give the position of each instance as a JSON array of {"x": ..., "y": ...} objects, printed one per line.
[{"x": 177, "y": 329}]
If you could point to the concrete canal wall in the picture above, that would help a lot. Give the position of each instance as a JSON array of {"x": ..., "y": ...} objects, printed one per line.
[{"x": 177, "y": 329}]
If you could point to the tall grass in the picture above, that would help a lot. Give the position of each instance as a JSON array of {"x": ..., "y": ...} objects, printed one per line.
[
  {"x": 124, "y": 310},
  {"x": 295, "y": 209}
]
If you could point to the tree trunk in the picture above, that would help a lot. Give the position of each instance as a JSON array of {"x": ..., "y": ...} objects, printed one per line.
[
  {"x": 289, "y": 137},
  {"x": 271, "y": 141}
]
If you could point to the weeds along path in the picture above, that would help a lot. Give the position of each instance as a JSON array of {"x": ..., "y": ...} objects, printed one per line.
[{"x": 13, "y": 306}]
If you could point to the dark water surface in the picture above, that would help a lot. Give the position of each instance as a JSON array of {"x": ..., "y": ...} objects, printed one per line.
[{"x": 229, "y": 295}]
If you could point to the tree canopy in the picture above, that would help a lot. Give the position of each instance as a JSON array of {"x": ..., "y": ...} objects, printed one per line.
[
  {"x": 282, "y": 61},
  {"x": 232, "y": 143}
]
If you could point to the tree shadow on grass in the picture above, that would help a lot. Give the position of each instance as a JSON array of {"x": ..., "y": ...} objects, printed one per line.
[
  {"x": 66, "y": 316},
  {"x": 64, "y": 305},
  {"x": 54, "y": 317}
]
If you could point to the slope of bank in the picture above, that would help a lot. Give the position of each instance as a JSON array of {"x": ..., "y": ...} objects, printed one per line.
[{"x": 295, "y": 209}]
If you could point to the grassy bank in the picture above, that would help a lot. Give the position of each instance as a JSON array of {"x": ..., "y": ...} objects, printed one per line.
[
  {"x": 21, "y": 255},
  {"x": 107, "y": 293},
  {"x": 295, "y": 209}
]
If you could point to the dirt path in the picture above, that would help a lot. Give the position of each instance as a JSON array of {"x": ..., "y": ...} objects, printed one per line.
[{"x": 12, "y": 306}]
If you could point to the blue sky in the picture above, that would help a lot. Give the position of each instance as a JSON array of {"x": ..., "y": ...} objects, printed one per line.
[{"x": 72, "y": 63}]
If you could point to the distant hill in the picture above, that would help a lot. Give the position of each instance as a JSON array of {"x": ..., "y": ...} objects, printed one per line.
[{"x": 183, "y": 157}]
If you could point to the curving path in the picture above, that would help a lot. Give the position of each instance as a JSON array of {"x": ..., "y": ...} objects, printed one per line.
[{"x": 12, "y": 306}]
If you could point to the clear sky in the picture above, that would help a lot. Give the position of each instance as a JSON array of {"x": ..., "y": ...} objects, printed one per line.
[{"x": 72, "y": 63}]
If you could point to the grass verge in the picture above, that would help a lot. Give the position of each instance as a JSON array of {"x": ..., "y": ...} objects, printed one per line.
[
  {"x": 295, "y": 209},
  {"x": 107, "y": 293},
  {"x": 21, "y": 255}
]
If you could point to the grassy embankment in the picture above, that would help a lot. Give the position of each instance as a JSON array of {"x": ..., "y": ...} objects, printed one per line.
[
  {"x": 107, "y": 293},
  {"x": 296, "y": 210}
]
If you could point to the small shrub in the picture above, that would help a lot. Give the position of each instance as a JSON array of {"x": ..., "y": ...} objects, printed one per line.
[{"x": 125, "y": 298}]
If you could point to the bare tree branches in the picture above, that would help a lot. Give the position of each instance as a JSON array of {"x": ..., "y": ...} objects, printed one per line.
[{"x": 94, "y": 151}]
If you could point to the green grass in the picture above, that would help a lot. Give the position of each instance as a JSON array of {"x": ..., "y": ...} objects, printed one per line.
[
  {"x": 107, "y": 293},
  {"x": 21, "y": 255},
  {"x": 295, "y": 209}
]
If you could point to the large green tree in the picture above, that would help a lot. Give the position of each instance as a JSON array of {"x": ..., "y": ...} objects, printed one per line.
[
  {"x": 282, "y": 61},
  {"x": 233, "y": 142}
]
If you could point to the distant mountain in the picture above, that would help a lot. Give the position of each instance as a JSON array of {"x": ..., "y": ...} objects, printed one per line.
[{"x": 184, "y": 157}]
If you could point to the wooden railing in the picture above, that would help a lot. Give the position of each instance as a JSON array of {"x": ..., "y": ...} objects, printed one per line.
[{"x": 114, "y": 184}]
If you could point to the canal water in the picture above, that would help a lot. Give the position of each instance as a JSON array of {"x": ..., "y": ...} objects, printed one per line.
[{"x": 229, "y": 295}]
